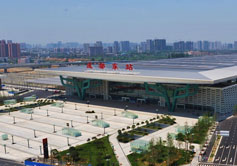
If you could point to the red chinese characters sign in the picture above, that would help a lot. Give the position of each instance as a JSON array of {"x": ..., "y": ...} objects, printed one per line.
[
  {"x": 129, "y": 67},
  {"x": 101, "y": 65},
  {"x": 114, "y": 66},
  {"x": 89, "y": 65}
]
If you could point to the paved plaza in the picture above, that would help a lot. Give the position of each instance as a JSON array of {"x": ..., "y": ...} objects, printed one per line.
[
  {"x": 26, "y": 132},
  {"x": 25, "y": 136}
]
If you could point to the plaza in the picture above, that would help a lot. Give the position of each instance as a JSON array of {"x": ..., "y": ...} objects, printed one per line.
[{"x": 26, "y": 131}]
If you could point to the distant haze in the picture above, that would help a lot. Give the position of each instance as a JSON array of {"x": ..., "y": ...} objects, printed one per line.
[{"x": 44, "y": 21}]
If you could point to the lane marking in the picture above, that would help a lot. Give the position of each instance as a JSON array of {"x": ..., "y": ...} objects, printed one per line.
[{"x": 235, "y": 157}]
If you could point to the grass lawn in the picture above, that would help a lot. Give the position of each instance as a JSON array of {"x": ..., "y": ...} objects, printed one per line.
[
  {"x": 179, "y": 157},
  {"x": 95, "y": 152}
]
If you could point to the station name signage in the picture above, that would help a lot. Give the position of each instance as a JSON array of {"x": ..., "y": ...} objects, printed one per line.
[{"x": 102, "y": 66}]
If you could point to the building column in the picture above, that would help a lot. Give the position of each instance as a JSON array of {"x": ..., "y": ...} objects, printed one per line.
[{"x": 106, "y": 90}]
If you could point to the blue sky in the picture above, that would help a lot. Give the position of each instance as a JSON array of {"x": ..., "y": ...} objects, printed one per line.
[{"x": 44, "y": 21}]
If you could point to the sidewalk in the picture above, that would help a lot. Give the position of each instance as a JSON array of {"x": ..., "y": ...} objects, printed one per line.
[{"x": 122, "y": 158}]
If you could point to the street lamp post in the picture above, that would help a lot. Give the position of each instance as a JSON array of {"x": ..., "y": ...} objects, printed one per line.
[
  {"x": 14, "y": 120},
  {"x": 31, "y": 116},
  {"x": 157, "y": 112},
  {"x": 88, "y": 103},
  {"x": 47, "y": 112},
  {"x": 101, "y": 115},
  {"x": 114, "y": 112},
  {"x": 75, "y": 107},
  {"x": 87, "y": 119}
]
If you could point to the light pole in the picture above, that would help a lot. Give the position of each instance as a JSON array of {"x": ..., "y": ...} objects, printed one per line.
[
  {"x": 34, "y": 133},
  {"x": 5, "y": 148},
  {"x": 114, "y": 112},
  {"x": 88, "y": 103},
  {"x": 71, "y": 124},
  {"x": 28, "y": 142},
  {"x": 68, "y": 141},
  {"x": 157, "y": 112},
  {"x": 101, "y": 115},
  {"x": 14, "y": 120},
  {"x": 47, "y": 112},
  {"x": 75, "y": 107},
  {"x": 54, "y": 131},
  {"x": 87, "y": 119},
  {"x": 31, "y": 116},
  {"x": 62, "y": 110},
  {"x": 13, "y": 140}
]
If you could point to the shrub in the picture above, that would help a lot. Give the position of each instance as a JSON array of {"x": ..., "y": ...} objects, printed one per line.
[
  {"x": 123, "y": 129},
  {"x": 88, "y": 140},
  {"x": 119, "y": 132},
  {"x": 142, "y": 122},
  {"x": 133, "y": 126},
  {"x": 128, "y": 127},
  {"x": 138, "y": 124}
]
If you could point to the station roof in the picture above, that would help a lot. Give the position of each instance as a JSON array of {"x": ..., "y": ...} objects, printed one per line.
[
  {"x": 195, "y": 70},
  {"x": 46, "y": 80}
]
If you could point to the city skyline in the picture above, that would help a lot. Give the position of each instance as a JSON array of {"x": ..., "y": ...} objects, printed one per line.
[{"x": 88, "y": 21}]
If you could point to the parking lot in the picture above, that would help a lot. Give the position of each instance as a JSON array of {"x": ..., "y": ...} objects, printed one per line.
[{"x": 25, "y": 131}]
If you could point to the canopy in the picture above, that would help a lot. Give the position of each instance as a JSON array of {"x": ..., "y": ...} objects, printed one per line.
[
  {"x": 29, "y": 98},
  {"x": 129, "y": 115},
  {"x": 60, "y": 105},
  {"x": 27, "y": 110},
  {"x": 100, "y": 123},
  {"x": 71, "y": 132},
  {"x": 139, "y": 146},
  {"x": 10, "y": 102},
  {"x": 181, "y": 129}
]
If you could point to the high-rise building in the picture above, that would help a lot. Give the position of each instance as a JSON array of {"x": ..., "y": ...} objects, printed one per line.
[
  {"x": 3, "y": 49},
  {"x": 189, "y": 45},
  {"x": 206, "y": 45},
  {"x": 218, "y": 45},
  {"x": 96, "y": 51},
  {"x": 179, "y": 46},
  {"x": 99, "y": 44},
  {"x": 125, "y": 46},
  {"x": 86, "y": 47},
  {"x": 149, "y": 45},
  {"x": 116, "y": 47},
  {"x": 9, "y": 49},
  {"x": 199, "y": 45},
  {"x": 110, "y": 49},
  {"x": 143, "y": 47},
  {"x": 159, "y": 44},
  {"x": 235, "y": 45}
]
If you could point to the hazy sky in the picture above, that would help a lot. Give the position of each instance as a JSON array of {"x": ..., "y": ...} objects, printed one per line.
[{"x": 44, "y": 21}]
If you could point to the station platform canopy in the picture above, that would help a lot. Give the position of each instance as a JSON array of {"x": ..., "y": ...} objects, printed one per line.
[
  {"x": 57, "y": 104},
  {"x": 27, "y": 110},
  {"x": 71, "y": 132},
  {"x": 10, "y": 102},
  {"x": 100, "y": 123},
  {"x": 139, "y": 146},
  {"x": 130, "y": 115}
]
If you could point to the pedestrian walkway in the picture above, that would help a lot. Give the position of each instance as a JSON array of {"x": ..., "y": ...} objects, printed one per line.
[{"x": 121, "y": 157}]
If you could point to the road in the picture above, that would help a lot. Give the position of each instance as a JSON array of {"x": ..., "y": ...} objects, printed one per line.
[
  {"x": 5, "y": 162},
  {"x": 227, "y": 151}
]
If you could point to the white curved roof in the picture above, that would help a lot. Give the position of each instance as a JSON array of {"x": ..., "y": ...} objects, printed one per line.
[{"x": 198, "y": 70}]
